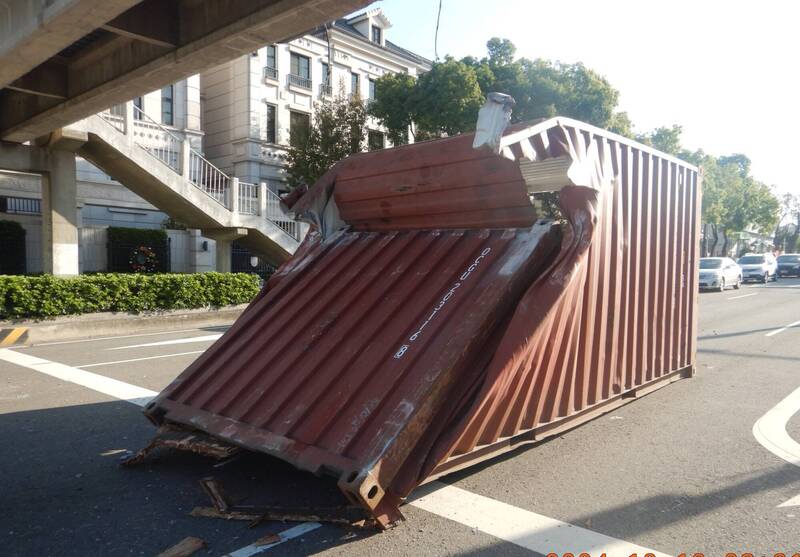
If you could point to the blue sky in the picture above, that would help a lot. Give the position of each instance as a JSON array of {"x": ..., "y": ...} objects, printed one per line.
[{"x": 726, "y": 71}]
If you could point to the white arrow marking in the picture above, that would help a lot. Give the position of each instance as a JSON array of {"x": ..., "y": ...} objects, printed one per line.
[{"x": 770, "y": 431}]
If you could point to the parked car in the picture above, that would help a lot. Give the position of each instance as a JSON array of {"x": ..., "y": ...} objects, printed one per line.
[
  {"x": 719, "y": 273},
  {"x": 789, "y": 265},
  {"x": 758, "y": 267}
]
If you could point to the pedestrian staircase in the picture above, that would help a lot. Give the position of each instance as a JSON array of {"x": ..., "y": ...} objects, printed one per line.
[{"x": 164, "y": 169}]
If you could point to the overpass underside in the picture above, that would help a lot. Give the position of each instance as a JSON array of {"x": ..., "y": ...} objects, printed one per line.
[{"x": 63, "y": 60}]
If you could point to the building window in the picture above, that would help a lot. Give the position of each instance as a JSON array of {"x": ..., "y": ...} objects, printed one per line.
[
  {"x": 375, "y": 140},
  {"x": 299, "y": 126},
  {"x": 376, "y": 35},
  {"x": 168, "y": 105},
  {"x": 271, "y": 68},
  {"x": 354, "y": 84},
  {"x": 138, "y": 102},
  {"x": 271, "y": 123},
  {"x": 301, "y": 66},
  {"x": 372, "y": 89},
  {"x": 326, "y": 75}
]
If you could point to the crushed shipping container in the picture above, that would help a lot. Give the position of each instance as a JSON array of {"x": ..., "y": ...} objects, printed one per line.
[{"x": 430, "y": 321}]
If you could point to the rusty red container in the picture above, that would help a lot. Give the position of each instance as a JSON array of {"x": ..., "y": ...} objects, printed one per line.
[{"x": 430, "y": 321}]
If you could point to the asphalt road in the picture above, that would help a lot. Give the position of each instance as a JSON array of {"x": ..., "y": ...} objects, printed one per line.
[{"x": 678, "y": 471}]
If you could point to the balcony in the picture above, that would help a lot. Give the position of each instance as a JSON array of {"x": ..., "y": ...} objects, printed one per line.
[
  {"x": 325, "y": 90},
  {"x": 299, "y": 81},
  {"x": 271, "y": 73}
]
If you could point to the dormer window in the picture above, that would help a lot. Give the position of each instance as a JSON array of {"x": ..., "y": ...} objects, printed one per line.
[{"x": 376, "y": 35}]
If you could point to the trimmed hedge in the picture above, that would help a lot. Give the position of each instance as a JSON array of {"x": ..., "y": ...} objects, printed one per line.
[
  {"x": 139, "y": 236},
  {"x": 48, "y": 296}
]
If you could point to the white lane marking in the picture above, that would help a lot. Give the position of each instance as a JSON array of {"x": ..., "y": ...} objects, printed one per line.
[
  {"x": 787, "y": 327},
  {"x": 770, "y": 431},
  {"x": 286, "y": 535},
  {"x": 204, "y": 338},
  {"x": 521, "y": 527},
  {"x": 111, "y": 338},
  {"x": 744, "y": 296},
  {"x": 101, "y": 384},
  {"x": 140, "y": 359}
]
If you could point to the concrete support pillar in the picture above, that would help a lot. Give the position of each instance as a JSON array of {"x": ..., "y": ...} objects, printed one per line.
[
  {"x": 234, "y": 196},
  {"x": 60, "y": 215},
  {"x": 224, "y": 255},
  {"x": 262, "y": 199},
  {"x": 127, "y": 114}
]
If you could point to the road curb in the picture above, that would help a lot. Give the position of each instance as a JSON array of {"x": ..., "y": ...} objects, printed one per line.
[{"x": 20, "y": 333}]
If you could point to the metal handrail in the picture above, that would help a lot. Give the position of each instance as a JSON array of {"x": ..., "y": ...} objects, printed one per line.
[
  {"x": 207, "y": 177},
  {"x": 270, "y": 73},
  {"x": 248, "y": 198},
  {"x": 299, "y": 81},
  {"x": 169, "y": 154}
]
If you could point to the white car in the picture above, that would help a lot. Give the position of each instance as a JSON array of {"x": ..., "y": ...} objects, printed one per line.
[
  {"x": 759, "y": 267},
  {"x": 718, "y": 273}
]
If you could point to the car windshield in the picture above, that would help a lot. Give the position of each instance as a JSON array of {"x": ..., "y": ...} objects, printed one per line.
[
  {"x": 710, "y": 263},
  {"x": 751, "y": 260},
  {"x": 789, "y": 259}
]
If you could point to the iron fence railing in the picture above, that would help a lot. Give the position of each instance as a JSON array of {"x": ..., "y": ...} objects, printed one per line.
[
  {"x": 248, "y": 198},
  {"x": 270, "y": 73},
  {"x": 299, "y": 81},
  {"x": 20, "y": 205},
  {"x": 275, "y": 214}
]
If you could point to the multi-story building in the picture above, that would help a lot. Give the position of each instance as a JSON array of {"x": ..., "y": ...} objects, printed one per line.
[
  {"x": 253, "y": 105},
  {"x": 224, "y": 132}
]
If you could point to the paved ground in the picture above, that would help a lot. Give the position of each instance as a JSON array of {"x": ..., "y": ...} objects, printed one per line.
[{"x": 678, "y": 471}]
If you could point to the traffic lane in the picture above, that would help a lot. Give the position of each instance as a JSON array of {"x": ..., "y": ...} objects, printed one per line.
[
  {"x": 87, "y": 351},
  {"x": 678, "y": 470},
  {"x": 770, "y": 308},
  {"x": 64, "y": 492},
  {"x": 65, "y": 485}
]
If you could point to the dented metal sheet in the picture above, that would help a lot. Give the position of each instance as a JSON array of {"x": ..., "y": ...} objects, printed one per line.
[{"x": 430, "y": 322}]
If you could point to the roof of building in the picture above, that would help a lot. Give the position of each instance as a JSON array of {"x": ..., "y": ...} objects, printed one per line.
[{"x": 345, "y": 26}]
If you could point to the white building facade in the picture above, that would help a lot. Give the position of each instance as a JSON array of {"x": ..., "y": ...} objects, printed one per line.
[{"x": 252, "y": 104}]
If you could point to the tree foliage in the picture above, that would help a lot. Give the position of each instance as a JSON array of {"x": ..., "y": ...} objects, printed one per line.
[{"x": 338, "y": 130}]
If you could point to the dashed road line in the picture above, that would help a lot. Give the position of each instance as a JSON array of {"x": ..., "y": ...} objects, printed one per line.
[
  {"x": 787, "y": 327},
  {"x": 521, "y": 527},
  {"x": 204, "y": 338},
  {"x": 100, "y": 383},
  {"x": 744, "y": 296},
  {"x": 141, "y": 359}
]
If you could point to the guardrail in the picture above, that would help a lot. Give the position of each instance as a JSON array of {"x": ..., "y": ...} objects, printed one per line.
[
  {"x": 270, "y": 73},
  {"x": 168, "y": 148},
  {"x": 299, "y": 81}
]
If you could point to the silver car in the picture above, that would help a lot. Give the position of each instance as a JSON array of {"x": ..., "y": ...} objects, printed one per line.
[
  {"x": 759, "y": 267},
  {"x": 718, "y": 273}
]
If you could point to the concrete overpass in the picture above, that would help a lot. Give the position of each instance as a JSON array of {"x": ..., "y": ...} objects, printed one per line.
[{"x": 63, "y": 60}]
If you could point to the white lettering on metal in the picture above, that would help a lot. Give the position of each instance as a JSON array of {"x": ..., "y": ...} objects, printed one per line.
[{"x": 442, "y": 302}]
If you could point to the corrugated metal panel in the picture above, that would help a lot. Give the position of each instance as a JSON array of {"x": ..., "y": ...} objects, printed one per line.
[
  {"x": 363, "y": 359},
  {"x": 358, "y": 348}
]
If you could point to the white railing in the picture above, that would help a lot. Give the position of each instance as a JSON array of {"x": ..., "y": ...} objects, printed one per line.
[
  {"x": 299, "y": 81},
  {"x": 248, "y": 198},
  {"x": 208, "y": 178},
  {"x": 172, "y": 150},
  {"x": 157, "y": 140},
  {"x": 274, "y": 214}
]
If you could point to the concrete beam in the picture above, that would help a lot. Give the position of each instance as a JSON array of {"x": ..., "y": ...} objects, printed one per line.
[
  {"x": 33, "y": 31},
  {"x": 206, "y": 32}
]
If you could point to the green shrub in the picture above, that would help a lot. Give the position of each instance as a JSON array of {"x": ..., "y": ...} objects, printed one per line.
[
  {"x": 139, "y": 236},
  {"x": 48, "y": 296}
]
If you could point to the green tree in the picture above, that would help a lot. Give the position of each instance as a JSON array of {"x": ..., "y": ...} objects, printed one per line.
[
  {"x": 338, "y": 130},
  {"x": 391, "y": 105},
  {"x": 664, "y": 139}
]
